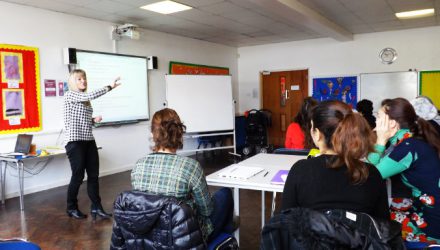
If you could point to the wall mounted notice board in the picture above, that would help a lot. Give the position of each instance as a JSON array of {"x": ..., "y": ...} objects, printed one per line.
[
  {"x": 203, "y": 102},
  {"x": 379, "y": 86},
  {"x": 127, "y": 103}
]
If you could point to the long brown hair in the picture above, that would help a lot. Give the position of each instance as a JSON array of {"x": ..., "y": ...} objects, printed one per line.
[
  {"x": 403, "y": 112},
  {"x": 167, "y": 130},
  {"x": 348, "y": 134},
  {"x": 303, "y": 119}
]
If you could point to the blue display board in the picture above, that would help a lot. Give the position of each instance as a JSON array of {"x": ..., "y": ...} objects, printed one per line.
[{"x": 343, "y": 88}]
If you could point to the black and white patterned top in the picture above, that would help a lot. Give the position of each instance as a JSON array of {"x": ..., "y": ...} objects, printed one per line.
[{"x": 78, "y": 113}]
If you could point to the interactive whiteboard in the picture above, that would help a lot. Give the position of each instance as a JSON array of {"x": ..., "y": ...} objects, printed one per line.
[
  {"x": 203, "y": 102},
  {"x": 379, "y": 86},
  {"x": 126, "y": 103}
]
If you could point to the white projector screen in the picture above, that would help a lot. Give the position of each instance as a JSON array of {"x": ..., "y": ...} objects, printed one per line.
[
  {"x": 379, "y": 86},
  {"x": 203, "y": 102},
  {"x": 126, "y": 103}
]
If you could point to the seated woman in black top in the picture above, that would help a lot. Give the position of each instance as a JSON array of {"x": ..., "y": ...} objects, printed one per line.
[{"x": 338, "y": 179}]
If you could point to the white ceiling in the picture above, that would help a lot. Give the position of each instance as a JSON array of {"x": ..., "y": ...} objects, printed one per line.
[{"x": 240, "y": 23}]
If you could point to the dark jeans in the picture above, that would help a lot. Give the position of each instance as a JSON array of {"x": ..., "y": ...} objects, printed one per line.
[
  {"x": 83, "y": 156},
  {"x": 221, "y": 217}
]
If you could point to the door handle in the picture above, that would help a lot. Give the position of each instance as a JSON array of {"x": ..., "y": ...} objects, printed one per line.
[{"x": 287, "y": 94}]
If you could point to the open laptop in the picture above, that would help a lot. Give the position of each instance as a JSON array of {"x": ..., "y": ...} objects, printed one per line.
[{"x": 22, "y": 145}]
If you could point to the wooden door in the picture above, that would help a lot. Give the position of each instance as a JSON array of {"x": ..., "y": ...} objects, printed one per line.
[{"x": 283, "y": 93}]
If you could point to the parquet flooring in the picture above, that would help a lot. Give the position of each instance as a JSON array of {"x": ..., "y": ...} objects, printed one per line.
[{"x": 45, "y": 222}]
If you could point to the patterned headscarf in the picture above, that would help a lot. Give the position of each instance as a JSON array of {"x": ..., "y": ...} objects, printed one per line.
[{"x": 424, "y": 108}]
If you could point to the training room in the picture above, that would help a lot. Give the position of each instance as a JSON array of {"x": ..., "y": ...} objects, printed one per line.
[{"x": 262, "y": 54}]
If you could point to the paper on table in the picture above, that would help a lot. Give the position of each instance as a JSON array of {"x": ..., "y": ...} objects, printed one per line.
[{"x": 241, "y": 172}]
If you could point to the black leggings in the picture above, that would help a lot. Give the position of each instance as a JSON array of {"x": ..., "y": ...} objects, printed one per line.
[{"x": 83, "y": 156}]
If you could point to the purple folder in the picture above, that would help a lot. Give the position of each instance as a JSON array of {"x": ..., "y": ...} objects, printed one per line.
[{"x": 280, "y": 177}]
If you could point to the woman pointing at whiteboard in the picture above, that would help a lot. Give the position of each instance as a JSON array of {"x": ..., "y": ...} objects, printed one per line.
[{"x": 81, "y": 147}]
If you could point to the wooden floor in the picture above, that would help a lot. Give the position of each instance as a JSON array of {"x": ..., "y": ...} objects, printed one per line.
[{"x": 45, "y": 222}]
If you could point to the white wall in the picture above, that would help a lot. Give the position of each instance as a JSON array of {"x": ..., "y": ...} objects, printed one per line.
[
  {"x": 51, "y": 32},
  {"x": 416, "y": 48}
]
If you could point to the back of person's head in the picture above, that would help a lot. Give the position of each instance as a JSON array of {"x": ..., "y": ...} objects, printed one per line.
[
  {"x": 167, "y": 130},
  {"x": 365, "y": 107},
  {"x": 303, "y": 119},
  {"x": 424, "y": 107},
  {"x": 72, "y": 79},
  {"x": 401, "y": 110},
  {"x": 348, "y": 134}
]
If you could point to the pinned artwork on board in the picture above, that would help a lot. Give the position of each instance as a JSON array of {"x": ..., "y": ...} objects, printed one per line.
[
  {"x": 14, "y": 103},
  {"x": 19, "y": 89},
  {"x": 342, "y": 88}
]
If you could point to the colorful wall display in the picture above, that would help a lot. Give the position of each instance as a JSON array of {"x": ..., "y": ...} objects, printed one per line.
[
  {"x": 179, "y": 68},
  {"x": 343, "y": 88},
  {"x": 430, "y": 86},
  {"x": 19, "y": 89}
]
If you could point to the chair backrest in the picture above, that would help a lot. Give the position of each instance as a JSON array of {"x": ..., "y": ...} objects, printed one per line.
[
  {"x": 18, "y": 245},
  {"x": 152, "y": 221}
]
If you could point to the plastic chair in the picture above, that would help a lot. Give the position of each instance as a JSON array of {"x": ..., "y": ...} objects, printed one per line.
[{"x": 18, "y": 244}]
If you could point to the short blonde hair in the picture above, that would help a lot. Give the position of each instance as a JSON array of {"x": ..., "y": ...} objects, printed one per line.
[{"x": 72, "y": 79}]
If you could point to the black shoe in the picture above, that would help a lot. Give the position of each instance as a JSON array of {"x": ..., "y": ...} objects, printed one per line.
[
  {"x": 100, "y": 212},
  {"x": 75, "y": 213}
]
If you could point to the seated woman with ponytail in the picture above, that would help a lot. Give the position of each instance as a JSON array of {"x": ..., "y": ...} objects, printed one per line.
[
  {"x": 414, "y": 156},
  {"x": 338, "y": 178},
  {"x": 165, "y": 173}
]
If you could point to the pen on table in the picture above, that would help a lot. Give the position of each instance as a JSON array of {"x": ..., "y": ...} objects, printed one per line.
[{"x": 265, "y": 174}]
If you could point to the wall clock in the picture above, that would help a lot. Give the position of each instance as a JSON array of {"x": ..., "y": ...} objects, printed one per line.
[{"x": 388, "y": 55}]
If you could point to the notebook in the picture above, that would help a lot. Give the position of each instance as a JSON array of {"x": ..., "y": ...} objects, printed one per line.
[
  {"x": 280, "y": 177},
  {"x": 241, "y": 172}
]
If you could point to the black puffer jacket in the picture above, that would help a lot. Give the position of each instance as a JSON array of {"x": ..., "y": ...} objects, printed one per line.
[
  {"x": 144, "y": 221},
  {"x": 303, "y": 228}
]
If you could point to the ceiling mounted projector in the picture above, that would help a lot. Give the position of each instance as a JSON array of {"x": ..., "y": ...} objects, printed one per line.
[{"x": 125, "y": 30}]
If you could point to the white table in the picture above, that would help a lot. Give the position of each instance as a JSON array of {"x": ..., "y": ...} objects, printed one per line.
[
  {"x": 21, "y": 165},
  {"x": 271, "y": 163}
]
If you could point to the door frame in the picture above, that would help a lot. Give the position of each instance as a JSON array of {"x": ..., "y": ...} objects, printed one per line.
[{"x": 310, "y": 91}]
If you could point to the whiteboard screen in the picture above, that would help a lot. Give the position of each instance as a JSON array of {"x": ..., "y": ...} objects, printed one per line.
[
  {"x": 128, "y": 102},
  {"x": 379, "y": 86},
  {"x": 203, "y": 102}
]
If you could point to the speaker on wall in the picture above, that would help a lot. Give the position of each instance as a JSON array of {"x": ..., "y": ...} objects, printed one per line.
[
  {"x": 152, "y": 62},
  {"x": 69, "y": 55}
]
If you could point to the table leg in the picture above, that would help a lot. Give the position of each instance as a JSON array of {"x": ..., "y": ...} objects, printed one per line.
[
  {"x": 20, "y": 167},
  {"x": 263, "y": 208},
  {"x": 273, "y": 203},
  {"x": 237, "y": 212},
  {"x": 3, "y": 179}
]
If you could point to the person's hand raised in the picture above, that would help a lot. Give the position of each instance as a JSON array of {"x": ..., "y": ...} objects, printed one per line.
[
  {"x": 385, "y": 129},
  {"x": 116, "y": 82}
]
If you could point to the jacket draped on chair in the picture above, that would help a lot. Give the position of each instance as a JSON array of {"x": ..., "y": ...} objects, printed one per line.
[
  {"x": 303, "y": 228},
  {"x": 146, "y": 221}
]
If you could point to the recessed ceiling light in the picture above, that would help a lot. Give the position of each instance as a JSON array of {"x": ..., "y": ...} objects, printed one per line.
[
  {"x": 415, "y": 14},
  {"x": 166, "y": 7}
]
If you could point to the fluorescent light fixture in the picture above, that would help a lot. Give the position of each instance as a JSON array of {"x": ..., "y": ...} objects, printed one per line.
[
  {"x": 415, "y": 14},
  {"x": 166, "y": 7}
]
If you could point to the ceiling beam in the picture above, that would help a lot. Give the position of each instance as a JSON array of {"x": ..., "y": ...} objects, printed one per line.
[{"x": 301, "y": 15}]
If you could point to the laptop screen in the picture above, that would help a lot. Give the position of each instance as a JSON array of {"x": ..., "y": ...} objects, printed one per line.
[{"x": 23, "y": 144}]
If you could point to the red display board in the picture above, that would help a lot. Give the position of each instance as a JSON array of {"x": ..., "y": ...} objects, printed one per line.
[
  {"x": 19, "y": 89},
  {"x": 179, "y": 68}
]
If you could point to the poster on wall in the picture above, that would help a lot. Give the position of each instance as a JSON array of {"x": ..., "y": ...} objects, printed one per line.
[
  {"x": 179, "y": 68},
  {"x": 342, "y": 88},
  {"x": 19, "y": 89},
  {"x": 430, "y": 87}
]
